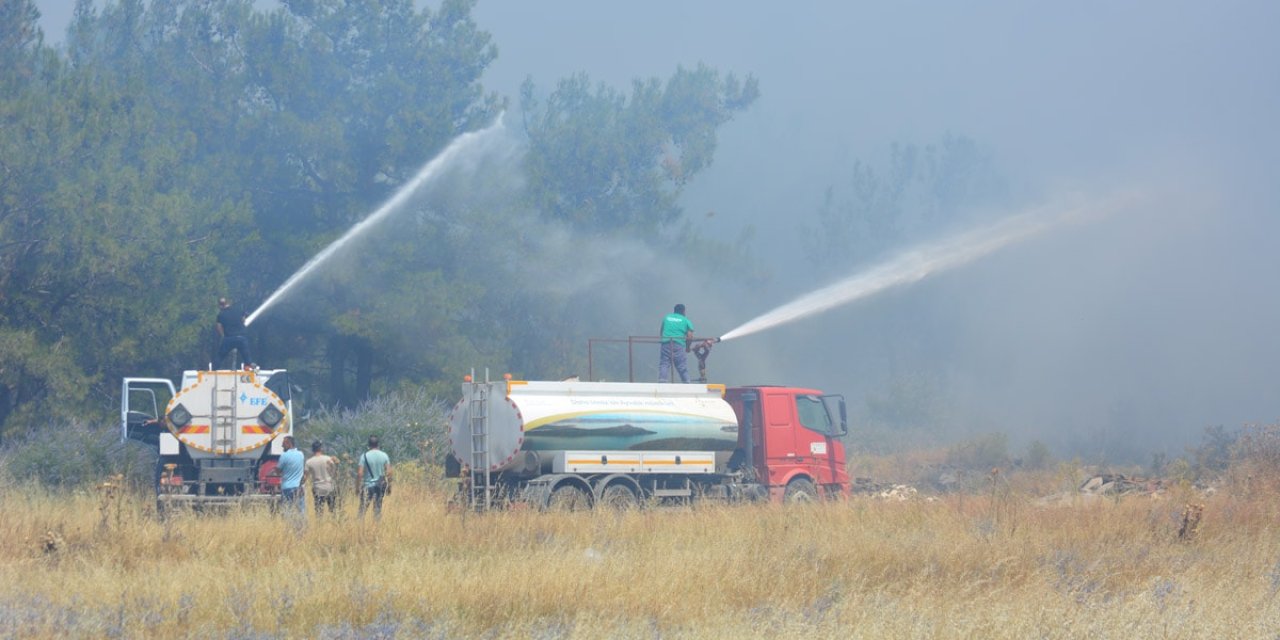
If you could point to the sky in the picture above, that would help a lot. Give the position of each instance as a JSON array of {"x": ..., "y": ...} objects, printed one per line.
[{"x": 1129, "y": 334}]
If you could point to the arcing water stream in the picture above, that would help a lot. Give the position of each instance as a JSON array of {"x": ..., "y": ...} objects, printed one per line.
[
  {"x": 430, "y": 170},
  {"x": 912, "y": 266}
]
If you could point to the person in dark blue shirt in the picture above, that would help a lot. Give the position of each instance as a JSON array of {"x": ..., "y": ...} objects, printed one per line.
[{"x": 232, "y": 333}]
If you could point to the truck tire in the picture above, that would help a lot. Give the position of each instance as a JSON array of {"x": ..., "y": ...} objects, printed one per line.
[
  {"x": 619, "y": 497},
  {"x": 568, "y": 497},
  {"x": 800, "y": 490}
]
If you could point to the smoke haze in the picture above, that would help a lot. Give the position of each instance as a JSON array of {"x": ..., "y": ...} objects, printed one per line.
[{"x": 1116, "y": 338}]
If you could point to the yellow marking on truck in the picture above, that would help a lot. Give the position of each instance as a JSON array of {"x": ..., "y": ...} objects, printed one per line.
[
  {"x": 194, "y": 428},
  {"x": 717, "y": 387},
  {"x": 540, "y": 422}
]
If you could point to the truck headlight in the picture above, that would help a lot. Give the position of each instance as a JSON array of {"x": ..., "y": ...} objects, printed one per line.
[
  {"x": 270, "y": 416},
  {"x": 179, "y": 416}
]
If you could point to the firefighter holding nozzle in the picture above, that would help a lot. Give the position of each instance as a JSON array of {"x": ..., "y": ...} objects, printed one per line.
[
  {"x": 676, "y": 332},
  {"x": 232, "y": 334}
]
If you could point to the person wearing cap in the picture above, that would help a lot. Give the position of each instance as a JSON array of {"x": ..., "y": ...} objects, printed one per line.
[
  {"x": 675, "y": 333},
  {"x": 232, "y": 333},
  {"x": 321, "y": 469}
]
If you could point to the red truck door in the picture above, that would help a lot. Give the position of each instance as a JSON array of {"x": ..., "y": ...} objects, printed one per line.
[{"x": 814, "y": 440}]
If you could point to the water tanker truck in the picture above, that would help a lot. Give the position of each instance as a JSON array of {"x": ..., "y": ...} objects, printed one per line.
[
  {"x": 218, "y": 436},
  {"x": 575, "y": 444}
]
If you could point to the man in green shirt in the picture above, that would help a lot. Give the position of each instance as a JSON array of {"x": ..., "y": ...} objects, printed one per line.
[
  {"x": 676, "y": 332},
  {"x": 374, "y": 477}
]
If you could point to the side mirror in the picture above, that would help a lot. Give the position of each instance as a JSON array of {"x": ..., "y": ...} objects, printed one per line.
[
  {"x": 838, "y": 414},
  {"x": 844, "y": 419}
]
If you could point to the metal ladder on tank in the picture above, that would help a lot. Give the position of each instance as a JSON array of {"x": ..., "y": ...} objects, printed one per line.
[
  {"x": 481, "y": 496},
  {"x": 223, "y": 420}
]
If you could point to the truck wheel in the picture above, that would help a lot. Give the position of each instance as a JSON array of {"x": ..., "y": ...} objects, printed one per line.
[
  {"x": 568, "y": 497},
  {"x": 800, "y": 490},
  {"x": 619, "y": 497}
]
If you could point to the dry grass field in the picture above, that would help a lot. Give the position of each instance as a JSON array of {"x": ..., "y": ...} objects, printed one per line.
[{"x": 987, "y": 565}]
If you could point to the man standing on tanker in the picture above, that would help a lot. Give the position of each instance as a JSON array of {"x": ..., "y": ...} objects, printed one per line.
[
  {"x": 232, "y": 333},
  {"x": 675, "y": 333}
]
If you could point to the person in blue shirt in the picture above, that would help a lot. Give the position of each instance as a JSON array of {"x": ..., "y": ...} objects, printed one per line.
[
  {"x": 374, "y": 477},
  {"x": 290, "y": 468},
  {"x": 675, "y": 333}
]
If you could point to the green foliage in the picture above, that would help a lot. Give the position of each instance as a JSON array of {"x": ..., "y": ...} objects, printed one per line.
[
  {"x": 176, "y": 151},
  {"x": 188, "y": 149},
  {"x": 354, "y": 98},
  {"x": 20, "y": 43},
  {"x": 38, "y": 381},
  {"x": 411, "y": 425},
  {"x": 603, "y": 159},
  {"x": 1180, "y": 470},
  {"x": 75, "y": 454}
]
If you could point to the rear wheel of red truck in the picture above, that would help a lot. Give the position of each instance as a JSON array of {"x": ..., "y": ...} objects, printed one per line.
[
  {"x": 569, "y": 497},
  {"x": 619, "y": 497},
  {"x": 800, "y": 490}
]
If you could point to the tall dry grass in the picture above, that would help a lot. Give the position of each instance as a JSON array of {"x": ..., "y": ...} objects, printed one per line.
[{"x": 984, "y": 565}]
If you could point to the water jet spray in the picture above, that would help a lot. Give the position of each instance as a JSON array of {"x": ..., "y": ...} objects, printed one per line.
[
  {"x": 429, "y": 171},
  {"x": 916, "y": 264}
]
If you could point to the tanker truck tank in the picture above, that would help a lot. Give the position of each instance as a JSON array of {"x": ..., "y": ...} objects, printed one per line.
[
  {"x": 229, "y": 414},
  {"x": 218, "y": 435},
  {"x": 518, "y": 425}
]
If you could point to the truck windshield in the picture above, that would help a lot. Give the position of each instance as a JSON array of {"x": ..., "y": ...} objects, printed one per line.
[
  {"x": 278, "y": 383},
  {"x": 813, "y": 414}
]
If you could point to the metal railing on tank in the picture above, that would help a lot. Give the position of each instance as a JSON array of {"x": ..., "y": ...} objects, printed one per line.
[{"x": 701, "y": 348}]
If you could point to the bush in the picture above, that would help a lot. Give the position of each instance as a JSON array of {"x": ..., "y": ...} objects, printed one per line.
[
  {"x": 1257, "y": 452},
  {"x": 412, "y": 427},
  {"x": 1214, "y": 454},
  {"x": 75, "y": 454}
]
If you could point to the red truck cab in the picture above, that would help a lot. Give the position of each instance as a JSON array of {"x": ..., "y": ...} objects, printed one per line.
[{"x": 792, "y": 438}]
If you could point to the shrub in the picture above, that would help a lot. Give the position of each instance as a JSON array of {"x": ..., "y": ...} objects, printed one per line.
[
  {"x": 411, "y": 425},
  {"x": 75, "y": 454},
  {"x": 1257, "y": 452},
  {"x": 1215, "y": 451}
]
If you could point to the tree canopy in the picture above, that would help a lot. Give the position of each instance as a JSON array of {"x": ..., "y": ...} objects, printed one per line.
[
  {"x": 604, "y": 159},
  {"x": 172, "y": 152}
]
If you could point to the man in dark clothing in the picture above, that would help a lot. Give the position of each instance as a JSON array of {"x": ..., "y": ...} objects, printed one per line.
[{"x": 232, "y": 332}]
